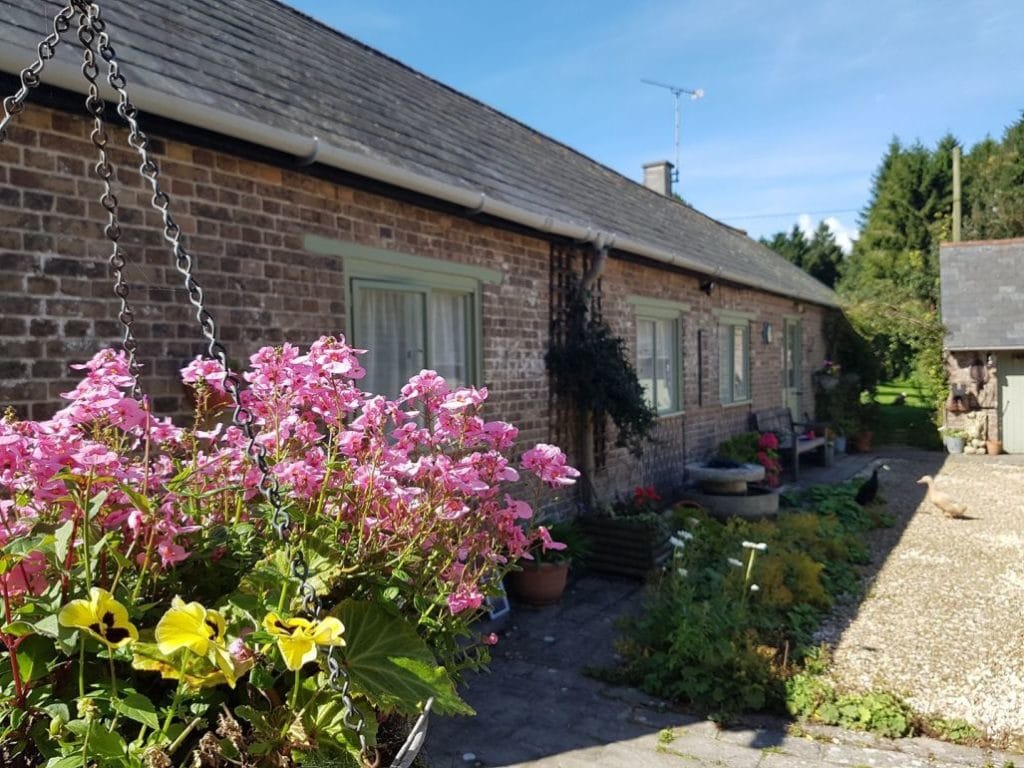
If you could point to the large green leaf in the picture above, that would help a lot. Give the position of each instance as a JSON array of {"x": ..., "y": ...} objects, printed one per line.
[
  {"x": 137, "y": 707},
  {"x": 391, "y": 664},
  {"x": 34, "y": 656}
]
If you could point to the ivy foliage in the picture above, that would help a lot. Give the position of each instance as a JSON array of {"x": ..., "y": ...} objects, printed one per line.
[{"x": 592, "y": 369}]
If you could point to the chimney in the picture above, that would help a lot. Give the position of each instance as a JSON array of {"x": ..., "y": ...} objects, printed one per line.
[{"x": 658, "y": 176}]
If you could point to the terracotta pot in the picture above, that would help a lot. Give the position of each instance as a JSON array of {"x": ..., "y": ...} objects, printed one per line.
[
  {"x": 540, "y": 583},
  {"x": 994, "y": 447}
]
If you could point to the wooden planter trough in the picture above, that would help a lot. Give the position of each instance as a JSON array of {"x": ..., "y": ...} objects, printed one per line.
[{"x": 625, "y": 546}]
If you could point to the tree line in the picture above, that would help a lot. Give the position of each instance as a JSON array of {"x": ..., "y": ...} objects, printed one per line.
[{"x": 889, "y": 283}]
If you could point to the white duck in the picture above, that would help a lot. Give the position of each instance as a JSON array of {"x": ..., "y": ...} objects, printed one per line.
[{"x": 942, "y": 500}]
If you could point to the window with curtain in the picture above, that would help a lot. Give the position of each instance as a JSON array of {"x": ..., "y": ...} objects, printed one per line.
[
  {"x": 734, "y": 361},
  {"x": 657, "y": 361},
  {"x": 408, "y": 327}
]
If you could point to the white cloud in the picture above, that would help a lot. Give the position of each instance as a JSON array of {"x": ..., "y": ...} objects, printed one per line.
[{"x": 844, "y": 235}]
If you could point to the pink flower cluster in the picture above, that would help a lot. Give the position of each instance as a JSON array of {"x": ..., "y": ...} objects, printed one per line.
[
  {"x": 768, "y": 457},
  {"x": 423, "y": 472}
]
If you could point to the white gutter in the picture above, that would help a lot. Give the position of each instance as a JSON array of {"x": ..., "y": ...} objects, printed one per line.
[{"x": 309, "y": 149}]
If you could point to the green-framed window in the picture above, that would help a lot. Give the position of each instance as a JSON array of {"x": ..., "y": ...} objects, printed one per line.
[
  {"x": 734, "y": 359},
  {"x": 659, "y": 358},
  {"x": 408, "y": 326},
  {"x": 410, "y": 313}
]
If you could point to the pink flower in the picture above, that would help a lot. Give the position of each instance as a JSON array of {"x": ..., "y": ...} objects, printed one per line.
[
  {"x": 546, "y": 542},
  {"x": 548, "y": 463},
  {"x": 170, "y": 553},
  {"x": 464, "y": 600},
  {"x": 208, "y": 371}
]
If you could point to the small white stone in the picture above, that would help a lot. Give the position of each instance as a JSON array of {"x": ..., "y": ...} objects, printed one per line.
[
  {"x": 549, "y": 639},
  {"x": 468, "y": 757}
]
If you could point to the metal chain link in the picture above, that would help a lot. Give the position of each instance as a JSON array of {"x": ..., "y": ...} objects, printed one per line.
[
  {"x": 88, "y": 29},
  {"x": 15, "y": 105}
]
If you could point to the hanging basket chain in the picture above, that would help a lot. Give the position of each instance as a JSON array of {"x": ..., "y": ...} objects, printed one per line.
[
  {"x": 15, "y": 105},
  {"x": 95, "y": 40},
  {"x": 87, "y": 34}
]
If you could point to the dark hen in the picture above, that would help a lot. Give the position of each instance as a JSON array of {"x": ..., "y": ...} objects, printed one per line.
[{"x": 868, "y": 489}]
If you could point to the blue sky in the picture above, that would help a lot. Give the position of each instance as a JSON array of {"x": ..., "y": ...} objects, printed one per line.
[{"x": 801, "y": 99}]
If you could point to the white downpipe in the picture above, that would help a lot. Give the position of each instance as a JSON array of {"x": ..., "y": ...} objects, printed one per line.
[{"x": 306, "y": 148}]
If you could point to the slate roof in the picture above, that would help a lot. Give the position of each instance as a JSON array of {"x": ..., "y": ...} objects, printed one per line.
[
  {"x": 982, "y": 287},
  {"x": 265, "y": 61}
]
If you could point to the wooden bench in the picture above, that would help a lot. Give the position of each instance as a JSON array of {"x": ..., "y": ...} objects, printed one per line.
[{"x": 792, "y": 442}]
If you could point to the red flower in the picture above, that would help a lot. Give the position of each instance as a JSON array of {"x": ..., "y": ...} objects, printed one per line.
[{"x": 768, "y": 442}]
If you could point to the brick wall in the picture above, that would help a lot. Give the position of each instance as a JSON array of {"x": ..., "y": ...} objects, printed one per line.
[
  {"x": 246, "y": 222},
  {"x": 697, "y": 432}
]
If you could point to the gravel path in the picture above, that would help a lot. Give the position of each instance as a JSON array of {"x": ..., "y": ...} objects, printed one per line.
[{"x": 942, "y": 620}]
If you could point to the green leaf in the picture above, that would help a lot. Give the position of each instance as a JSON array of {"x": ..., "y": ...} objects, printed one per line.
[
  {"x": 96, "y": 503},
  {"x": 141, "y": 502},
  {"x": 67, "y": 761},
  {"x": 62, "y": 540},
  {"x": 105, "y": 743},
  {"x": 18, "y": 629},
  {"x": 139, "y": 708},
  {"x": 34, "y": 655},
  {"x": 391, "y": 664}
]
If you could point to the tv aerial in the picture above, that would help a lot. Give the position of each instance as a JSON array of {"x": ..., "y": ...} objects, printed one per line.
[{"x": 677, "y": 91}]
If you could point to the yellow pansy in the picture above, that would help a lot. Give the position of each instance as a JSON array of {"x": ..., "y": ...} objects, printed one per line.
[
  {"x": 197, "y": 629},
  {"x": 102, "y": 617},
  {"x": 297, "y": 639}
]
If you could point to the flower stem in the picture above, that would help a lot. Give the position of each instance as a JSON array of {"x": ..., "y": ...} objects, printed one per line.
[
  {"x": 113, "y": 676},
  {"x": 295, "y": 691},
  {"x": 81, "y": 666},
  {"x": 177, "y": 696},
  {"x": 85, "y": 536}
]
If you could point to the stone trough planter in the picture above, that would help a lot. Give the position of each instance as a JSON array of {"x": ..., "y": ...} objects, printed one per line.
[
  {"x": 754, "y": 503},
  {"x": 727, "y": 491}
]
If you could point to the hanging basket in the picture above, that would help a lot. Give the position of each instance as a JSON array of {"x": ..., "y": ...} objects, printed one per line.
[{"x": 155, "y": 564}]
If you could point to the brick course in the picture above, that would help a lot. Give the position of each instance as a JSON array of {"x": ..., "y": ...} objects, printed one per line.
[{"x": 246, "y": 222}]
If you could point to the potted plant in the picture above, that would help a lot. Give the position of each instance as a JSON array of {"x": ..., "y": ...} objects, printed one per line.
[
  {"x": 631, "y": 536},
  {"x": 540, "y": 579},
  {"x": 954, "y": 438}
]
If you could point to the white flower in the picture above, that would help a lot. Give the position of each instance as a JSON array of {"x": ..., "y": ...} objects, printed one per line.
[
  {"x": 677, "y": 543},
  {"x": 693, "y": 521},
  {"x": 760, "y": 546},
  {"x": 735, "y": 563},
  {"x": 684, "y": 534},
  {"x": 754, "y": 588},
  {"x": 682, "y": 572}
]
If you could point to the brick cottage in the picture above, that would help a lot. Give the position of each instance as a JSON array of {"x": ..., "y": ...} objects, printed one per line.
[{"x": 326, "y": 188}]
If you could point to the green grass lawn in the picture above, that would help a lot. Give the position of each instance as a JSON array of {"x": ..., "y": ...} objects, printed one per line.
[{"x": 906, "y": 424}]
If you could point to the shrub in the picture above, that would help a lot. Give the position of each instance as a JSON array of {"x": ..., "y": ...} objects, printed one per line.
[{"x": 720, "y": 627}]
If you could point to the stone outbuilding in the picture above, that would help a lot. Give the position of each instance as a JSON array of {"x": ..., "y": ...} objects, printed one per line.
[{"x": 983, "y": 311}]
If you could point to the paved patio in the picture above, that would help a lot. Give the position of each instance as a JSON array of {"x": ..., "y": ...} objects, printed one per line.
[{"x": 536, "y": 707}]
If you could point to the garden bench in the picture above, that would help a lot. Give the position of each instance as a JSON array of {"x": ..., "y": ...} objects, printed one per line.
[{"x": 792, "y": 442}]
